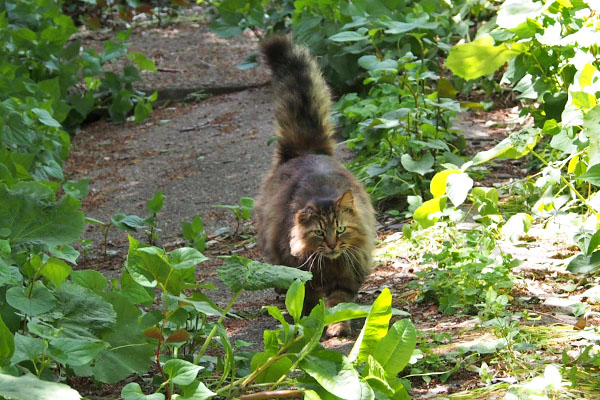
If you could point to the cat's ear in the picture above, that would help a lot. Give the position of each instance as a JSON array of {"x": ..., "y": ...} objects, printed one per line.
[
  {"x": 306, "y": 213},
  {"x": 345, "y": 202}
]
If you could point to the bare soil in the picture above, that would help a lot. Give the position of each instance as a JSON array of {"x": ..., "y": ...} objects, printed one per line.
[{"x": 215, "y": 151}]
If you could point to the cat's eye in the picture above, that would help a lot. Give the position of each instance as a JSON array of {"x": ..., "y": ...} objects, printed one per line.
[
  {"x": 341, "y": 229},
  {"x": 319, "y": 232}
]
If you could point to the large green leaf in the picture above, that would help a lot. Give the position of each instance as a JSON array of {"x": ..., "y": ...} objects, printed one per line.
[
  {"x": 458, "y": 187},
  {"x": 129, "y": 352},
  {"x": 420, "y": 166},
  {"x": 592, "y": 175},
  {"x": 337, "y": 375},
  {"x": 242, "y": 273},
  {"x": 56, "y": 271},
  {"x": 583, "y": 264},
  {"x": 28, "y": 387},
  {"x": 7, "y": 343},
  {"x": 30, "y": 220},
  {"x": 294, "y": 299},
  {"x": 394, "y": 350},
  {"x": 27, "y": 348},
  {"x": 375, "y": 327},
  {"x": 479, "y": 57},
  {"x": 74, "y": 352},
  {"x": 346, "y": 311},
  {"x": 133, "y": 391},
  {"x": 181, "y": 372},
  {"x": 34, "y": 300}
]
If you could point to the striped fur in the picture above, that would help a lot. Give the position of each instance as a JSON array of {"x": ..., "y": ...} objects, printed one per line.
[{"x": 303, "y": 101}]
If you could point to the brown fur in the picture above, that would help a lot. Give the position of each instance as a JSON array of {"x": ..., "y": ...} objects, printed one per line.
[{"x": 312, "y": 213}]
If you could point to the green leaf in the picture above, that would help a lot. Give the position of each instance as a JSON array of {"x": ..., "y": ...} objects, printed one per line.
[
  {"x": 34, "y": 300},
  {"x": 242, "y": 273},
  {"x": 224, "y": 29},
  {"x": 202, "y": 304},
  {"x": 155, "y": 204},
  {"x": 196, "y": 391},
  {"x": 372, "y": 63},
  {"x": 348, "y": 36},
  {"x": 274, "y": 372},
  {"x": 186, "y": 257},
  {"x": 141, "y": 61},
  {"x": 250, "y": 62},
  {"x": 7, "y": 343},
  {"x": 397, "y": 27},
  {"x": 592, "y": 175},
  {"x": 133, "y": 391},
  {"x": 77, "y": 189},
  {"x": 479, "y": 57},
  {"x": 31, "y": 220},
  {"x": 425, "y": 215},
  {"x": 74, "y": 352},
  {"x": 336, "y": 374},
  {"x": 45, "y": 118},
  {"x": 142, "y": 110},
  {"x": 56, "y": 271},
  {"x": 375, "y": 327},
  {"x": 394, "y": 350},
  {"x": 90, "y": 279},
  {"x": 181, "y": 372},
  {"x": 129, "y": 223},
  {"x": 438, "y": 185},
  {"x": 421, "y": 166},
  {"x": 28, "y": 387},
  {"x": 591, "y": 127},
  {"x": 583, "y": 264},
  {"x": 27, "y": 348},
  {"x": 457, "y": 188},
  {"x": 294, "y": 299},
  {"x": 346, "y": 311}
]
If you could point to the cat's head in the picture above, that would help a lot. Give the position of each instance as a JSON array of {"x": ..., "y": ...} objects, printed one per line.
[{"x": 327, "y": 227}]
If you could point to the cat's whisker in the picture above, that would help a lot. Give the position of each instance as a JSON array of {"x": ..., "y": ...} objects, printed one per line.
[{"x": 307, "y": 260}]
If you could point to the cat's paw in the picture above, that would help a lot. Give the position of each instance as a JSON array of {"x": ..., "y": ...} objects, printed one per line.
[{"x": 340, "y": 329}]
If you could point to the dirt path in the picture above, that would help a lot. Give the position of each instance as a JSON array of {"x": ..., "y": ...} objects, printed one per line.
[{"x": 214, "y": 152}]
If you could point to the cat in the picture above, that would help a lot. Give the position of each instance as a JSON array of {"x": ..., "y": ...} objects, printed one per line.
[{"x": 312, "y": 212}]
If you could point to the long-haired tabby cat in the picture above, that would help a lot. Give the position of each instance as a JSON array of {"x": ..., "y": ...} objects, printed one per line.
[{"x": 312, "y": 213}]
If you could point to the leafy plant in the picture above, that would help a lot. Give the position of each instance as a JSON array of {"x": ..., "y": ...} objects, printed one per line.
[
  {"x": 241, "y": 211},
  {"x": 194, "y": 233}
]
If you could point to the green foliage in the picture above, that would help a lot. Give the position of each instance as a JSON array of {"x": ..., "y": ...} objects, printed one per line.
[{"x": 241, "y": 211}]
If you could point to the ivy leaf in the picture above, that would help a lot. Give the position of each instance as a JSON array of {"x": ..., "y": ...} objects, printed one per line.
[{"x": 479, "y": 57}]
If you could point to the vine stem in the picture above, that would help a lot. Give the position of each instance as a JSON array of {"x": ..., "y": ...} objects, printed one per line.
[
  {"x": 215, "y": 327},
  {"x": 273, "y": 394},
  {"x": 570, "y": 185}
]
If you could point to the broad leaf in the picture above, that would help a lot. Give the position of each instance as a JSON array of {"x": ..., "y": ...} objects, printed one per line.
[
  {"x": 479, "y": 57},
  {"x": 294, "y": 299},
  {"x": 7, "y": 343},
  {"x": 186, "y": 257},
  {"x": 375, "y": 327},
  {"x": 74, "y": 352},
  {"x": 421, "y": 166},
  {"x": 133, "y": 391},
  {"x": 437, "y": 187},
  {"x": 28, "y": 387},
  {"x": 29, "y": 220},
  {"x": 196, "y": 391},
  {"x": 592, "y": 175},
  {"x": 242, "y": 273},
  {"x": 394, "y": 350},
  {"x": 181, "y": 372},
  {"x": 335, "y": 373},
  {"x": 583, "y": 264},
  {"x": 56, "y": 271},
  {"x": 346, "y": 311},
  {"x": 155, "y": 204},
  {"x": 458, "y": 187},
  {"x": 34, "y": 300},
  {"x": 425, "y": 215}
]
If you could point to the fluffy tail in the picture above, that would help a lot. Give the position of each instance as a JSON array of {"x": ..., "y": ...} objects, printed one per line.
[{"x": 303, "y": 101}]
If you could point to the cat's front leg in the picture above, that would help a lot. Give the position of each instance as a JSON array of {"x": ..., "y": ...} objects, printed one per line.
[{"x": 339, "y": 329}]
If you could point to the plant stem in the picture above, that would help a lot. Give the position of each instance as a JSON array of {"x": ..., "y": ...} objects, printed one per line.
[
  {"x": 274, "y": 394},
  {"x": 214, "y": 329}
]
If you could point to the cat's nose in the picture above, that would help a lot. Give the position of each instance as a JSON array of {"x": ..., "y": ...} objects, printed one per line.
[{"x": 331, "y": 245}]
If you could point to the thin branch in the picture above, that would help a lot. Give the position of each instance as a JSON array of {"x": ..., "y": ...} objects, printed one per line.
[{"x": 274, "y": 394}]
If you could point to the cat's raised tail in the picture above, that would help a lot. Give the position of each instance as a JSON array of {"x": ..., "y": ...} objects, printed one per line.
[{"x": 303, "y": 101}]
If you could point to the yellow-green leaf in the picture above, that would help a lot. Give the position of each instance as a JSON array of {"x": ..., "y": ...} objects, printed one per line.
[
  {"x": 585, "y": 79},
  {"x": 424, "y": 215},
  {"x": 438, "y": 183}
]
